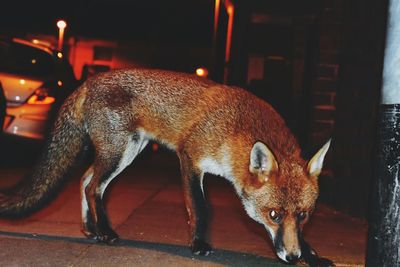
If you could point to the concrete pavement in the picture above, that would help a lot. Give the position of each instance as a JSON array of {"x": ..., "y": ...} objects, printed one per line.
[{"x": 146, "y": 208}]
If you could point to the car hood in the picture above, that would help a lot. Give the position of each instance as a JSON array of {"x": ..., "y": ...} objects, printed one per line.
[{"x": 18, "y": 88}]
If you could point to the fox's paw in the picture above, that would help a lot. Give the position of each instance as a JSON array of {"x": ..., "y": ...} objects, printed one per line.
[
  {"x": 324, "y": 262},
  {"x": 108, "y": 239},
  {"x": 90, "y": 234},
  {"x": 200, "y": 247},
  {"x": 318, "y": 262}
]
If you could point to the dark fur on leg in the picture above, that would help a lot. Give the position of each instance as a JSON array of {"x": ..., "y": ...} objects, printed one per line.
[
  {"x": 104, "y": 232},
  {"x": 199, "y": 245},
  {"x": 88, "y": 227},
  {"x": 311, "y": 258},
  {"x": 98, "y": 226},
  {"x": 196, "y": 206}
]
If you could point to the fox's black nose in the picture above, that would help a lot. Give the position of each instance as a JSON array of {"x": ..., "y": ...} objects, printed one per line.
[{"x": 292, "y": 257}]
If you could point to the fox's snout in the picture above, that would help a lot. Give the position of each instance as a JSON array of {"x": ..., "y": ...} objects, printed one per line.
[
  {"x": 289, "y": 253},
  {"x": 287, "y": 241},
  {"x": 289, "y": 257}
]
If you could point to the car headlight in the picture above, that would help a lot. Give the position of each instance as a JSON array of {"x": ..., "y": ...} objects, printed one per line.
[{"x": 41, "y": 97}]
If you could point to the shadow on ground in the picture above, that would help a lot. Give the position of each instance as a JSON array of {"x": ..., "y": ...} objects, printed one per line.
[{"x": 219, "y": 256}]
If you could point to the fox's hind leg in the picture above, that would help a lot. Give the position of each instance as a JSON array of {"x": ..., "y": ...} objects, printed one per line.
[
  {"x": 88, "y": 227},
  {"x": 110, "y": 160}
]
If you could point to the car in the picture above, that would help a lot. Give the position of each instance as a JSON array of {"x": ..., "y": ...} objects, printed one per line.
[
  {"x": 2, "y": 108},
  {"x": 36, "y": 78}
]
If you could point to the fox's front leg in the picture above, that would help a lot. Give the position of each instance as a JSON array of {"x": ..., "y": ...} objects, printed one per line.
[
  {"x": 311, "y": 258},
  {"x": 196, "y": 206}
]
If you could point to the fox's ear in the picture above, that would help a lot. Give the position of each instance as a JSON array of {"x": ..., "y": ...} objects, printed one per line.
[
  {"x": 315, "y": 164},
  {"x": 262, "y": 161}
]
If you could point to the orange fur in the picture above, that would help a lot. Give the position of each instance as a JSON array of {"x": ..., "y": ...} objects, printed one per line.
[{"x": 213, "y": 128}]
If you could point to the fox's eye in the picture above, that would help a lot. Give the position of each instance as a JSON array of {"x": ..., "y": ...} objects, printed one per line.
[
  {"x": 275, "y": 216},
  {"x": 302, "y": 215}
]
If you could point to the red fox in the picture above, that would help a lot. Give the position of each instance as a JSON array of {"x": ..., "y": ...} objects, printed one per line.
[{"x": 213, "y": 128}]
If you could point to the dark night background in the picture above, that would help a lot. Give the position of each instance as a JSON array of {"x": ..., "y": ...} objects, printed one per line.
[{"x": 155, "y": 21}]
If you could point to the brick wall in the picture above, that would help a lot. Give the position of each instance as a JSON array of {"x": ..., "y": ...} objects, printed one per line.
[
  {"x": 325, "y": 83},
  {"x": 357, "y": 102}
]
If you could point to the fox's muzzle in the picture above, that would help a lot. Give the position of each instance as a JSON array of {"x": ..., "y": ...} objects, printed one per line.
[
  {"x": 287, "y": 243},
  {"x": 289, "y": 257}
]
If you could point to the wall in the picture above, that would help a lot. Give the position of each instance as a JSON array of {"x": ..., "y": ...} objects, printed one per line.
[
  {"x": 357, "y": 97},
  {"x": 325, "y": 83},
  {"x": 179, "y": 57}
]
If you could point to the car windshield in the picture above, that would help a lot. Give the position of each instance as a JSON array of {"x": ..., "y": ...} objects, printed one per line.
[{"x": 25, "y": 60}]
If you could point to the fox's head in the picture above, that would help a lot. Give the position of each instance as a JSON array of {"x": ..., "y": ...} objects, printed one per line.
[{"x": 281, "y": 196}]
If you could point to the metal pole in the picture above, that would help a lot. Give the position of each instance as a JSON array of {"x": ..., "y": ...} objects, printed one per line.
[
  {"x": 383, "y": 247},
  {"x": 61, "y": 24},
  {"x": 60, "y": 39}
]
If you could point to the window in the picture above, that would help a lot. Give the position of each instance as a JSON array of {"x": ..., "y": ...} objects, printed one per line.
[
  {"x": 25, "y": 60},
  {"x": 102, "y": 53}
]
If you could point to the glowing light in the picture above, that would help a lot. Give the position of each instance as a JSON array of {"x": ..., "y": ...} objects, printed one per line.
[
  {"x": 216, "y": 17},
  {"x": 230, "y": 10},
  {"x": 60, "y": 83},
  {"x": 202, "y": 72},
  {"x": 17, "y": 98},
  {"x": 61, "y": 24},
  {"x": 41, "y": 97},
  {"x": 35, "y": 100},
  {"x": 59, "y": 55},
  {"x": 35, "y": 41},
  {"x": 155, "y": 147},
  {"x": 22, "y": 81},
  {"x": 33, "y": 61}
]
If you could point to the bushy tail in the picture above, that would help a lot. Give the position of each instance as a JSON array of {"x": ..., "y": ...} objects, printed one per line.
[{"x": 59, "y": 155}]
